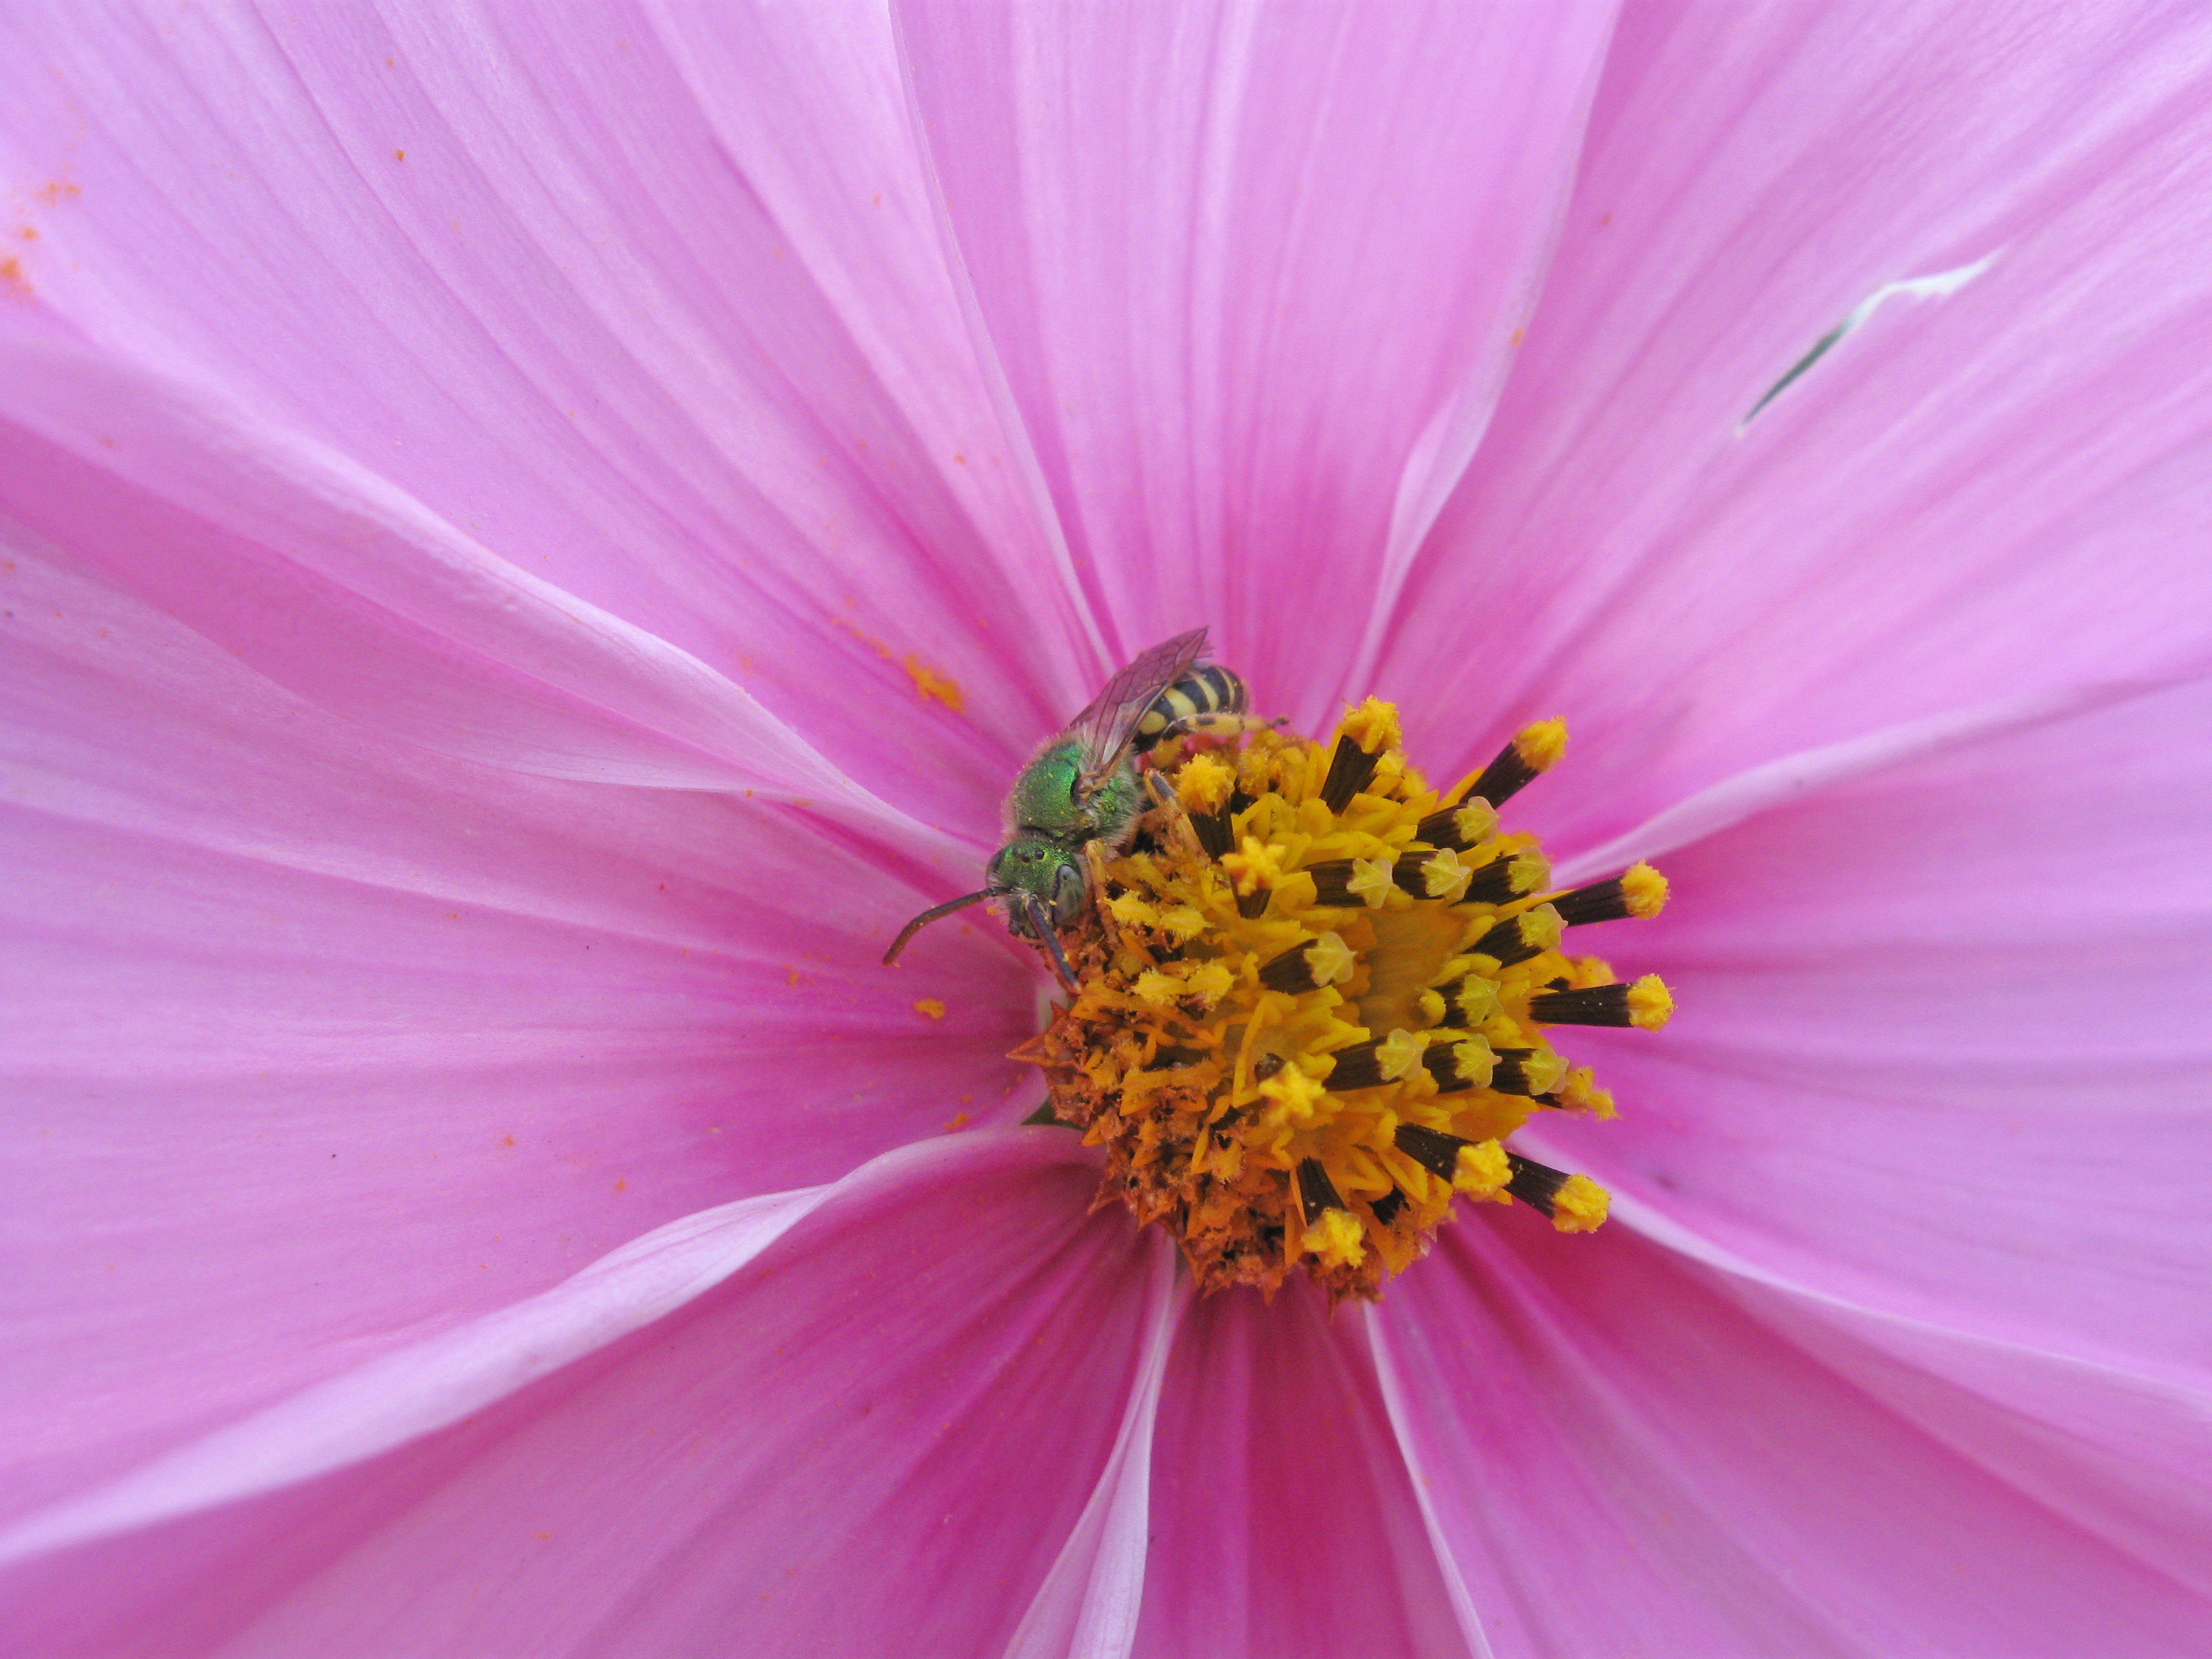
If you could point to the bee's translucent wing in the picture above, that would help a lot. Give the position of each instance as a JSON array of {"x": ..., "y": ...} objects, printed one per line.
[{"x": 1105, "y": 728}]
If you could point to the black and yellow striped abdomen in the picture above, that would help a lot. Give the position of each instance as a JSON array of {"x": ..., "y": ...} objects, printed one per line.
[{"x": 1208, "y": 689}]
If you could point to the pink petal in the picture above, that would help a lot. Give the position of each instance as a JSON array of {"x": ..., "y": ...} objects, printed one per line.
[
  {"x": 1991, "y": 490},
  {"x": 875, "y": 1437},
  {"x": 315, "y": 1045},
  {"x": 1621, "y": 1461},
  {"x": 329, "y": 582},
  {"x": 1283, "y": 1521},
  {"x": 1088, "y": 1604},
  {"x": 1251, "y": 279},
  {"x": 1761, "y": 788},
  {"x": 415, "y": 1390},
  {"x": 1937, "y": 1085},
  {"x": 652, "y": 307}
]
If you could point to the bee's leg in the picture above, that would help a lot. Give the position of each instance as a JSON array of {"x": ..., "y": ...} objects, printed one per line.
[
  {"x": 1181, "y": 836},
  {"x": 1220, "y": 724},
  {"x": 1040, "y": 921},
  {"x": 1094, "y": 858}
]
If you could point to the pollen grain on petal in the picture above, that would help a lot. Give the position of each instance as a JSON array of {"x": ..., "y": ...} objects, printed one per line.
[{"x": 934, "y": 687}]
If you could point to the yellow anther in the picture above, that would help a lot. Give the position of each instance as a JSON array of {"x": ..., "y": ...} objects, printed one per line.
[
  {"x": 1541, "y": 745},
  {"x": 1584, "y": 971},
  {"x": 1209, "y": 982},
  {"x": 1181, "y": 924},
  {"x": 1294, "y": 1095},
  {"x": 1398, "y": 1053},
  {"x": 1644, "y": 889},
  {"x": 1336, "y": 1239},
  {"x": 1529, "y": 872},
  {"x": 1476, "y": 820},
  {"x": 1543, "y": 1067},
  {"x": 1374, "y": 726},
  {"x": 1257, "y": 865},
  {"x": 1445, "y": 877},
  {"x": 1200, "y": 983},
  {"x": 1578, "y": 1093},
  {"x": 1131, "y": 910},
  {"x": 1371, "y": 880},
  {"x": 1474, "y": 1061},
  {"x": 1540, "y": 927},
  {"x": 1482, "y": 1172},
  {"x": 1580, "y": 1204},
  {"x": 1431, "y": 1006},
  {"x": 1651, "y": 1005},
  {"x": 1330, "y": 960},
  {"x": 1477, "y": 999},
  {"x": 1159, "y": 990},
  {"x": 1204, "y": 783}
]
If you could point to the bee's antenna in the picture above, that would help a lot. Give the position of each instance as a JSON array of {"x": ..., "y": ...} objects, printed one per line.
[
  {"x": 1035, "y": 906},
  {"x": 928, "y": 916}
]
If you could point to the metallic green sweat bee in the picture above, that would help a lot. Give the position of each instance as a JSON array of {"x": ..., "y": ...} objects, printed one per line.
[{"x": 1084, "y": 786}]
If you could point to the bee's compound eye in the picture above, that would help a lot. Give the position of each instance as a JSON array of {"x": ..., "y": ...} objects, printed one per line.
[{"x": 1068, "y": 886}]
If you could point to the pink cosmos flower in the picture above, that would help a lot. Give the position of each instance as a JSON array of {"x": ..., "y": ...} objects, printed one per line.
[{"x": 533, "y": 542}]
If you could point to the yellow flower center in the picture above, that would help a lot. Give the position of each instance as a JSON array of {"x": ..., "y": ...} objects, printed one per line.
[{"x": 1314, "y": 1001}]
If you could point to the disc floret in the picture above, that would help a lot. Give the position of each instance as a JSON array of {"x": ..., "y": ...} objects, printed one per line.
[{"x": 1314, "y": 1004}]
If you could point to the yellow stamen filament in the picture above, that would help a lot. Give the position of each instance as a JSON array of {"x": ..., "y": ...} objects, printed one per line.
[{"x": 1248, "y": 1017}]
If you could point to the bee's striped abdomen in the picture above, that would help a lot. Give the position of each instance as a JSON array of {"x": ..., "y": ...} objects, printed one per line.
[{"x": 1208, "y": 689}]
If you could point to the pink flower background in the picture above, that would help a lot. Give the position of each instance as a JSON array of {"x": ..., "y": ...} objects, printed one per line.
[{"x": 485, "y": 489}]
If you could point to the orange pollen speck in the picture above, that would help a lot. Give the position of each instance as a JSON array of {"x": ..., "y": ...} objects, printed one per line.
[{"x": 934, "y": 687}]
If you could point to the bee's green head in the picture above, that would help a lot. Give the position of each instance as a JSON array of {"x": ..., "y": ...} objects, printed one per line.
[{"x": 1033, "y": 865}]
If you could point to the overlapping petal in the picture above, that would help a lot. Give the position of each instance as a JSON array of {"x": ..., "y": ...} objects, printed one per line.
[
  {"x": 1283, "y": 1520},
  {"x": 317, "y": 1043},
  {"x": 1938, "y": 1084},
  {"x": 676, "y": 339},
  {"x": 1251, "y": 275},
  {"x": 877, "y": 1435},
  {"x": 1969, "y": 499},
  {"x": 1622, "y": 1459}
]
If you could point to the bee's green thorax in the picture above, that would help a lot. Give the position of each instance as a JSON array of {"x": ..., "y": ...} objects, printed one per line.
[{"x": 1042, "y": 800}]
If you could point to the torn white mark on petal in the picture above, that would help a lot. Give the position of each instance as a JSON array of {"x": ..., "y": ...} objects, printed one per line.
[{"x": 1942, "y": 285}]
